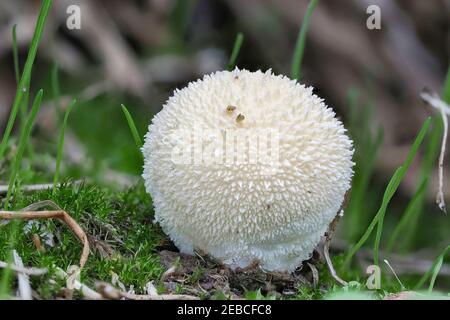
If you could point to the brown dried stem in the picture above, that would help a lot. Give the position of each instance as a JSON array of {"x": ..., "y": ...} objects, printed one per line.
[
  {"x": 432, "y": 99},
  {"x": 29, "y": 213},
  {"x": 326, "y": 249}
]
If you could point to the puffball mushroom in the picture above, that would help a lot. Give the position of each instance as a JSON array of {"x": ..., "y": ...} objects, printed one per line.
[{"x": 247, "y": 167}]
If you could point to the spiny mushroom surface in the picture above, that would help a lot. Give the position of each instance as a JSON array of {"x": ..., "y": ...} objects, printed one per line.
[{"x": 247, "y": 166}]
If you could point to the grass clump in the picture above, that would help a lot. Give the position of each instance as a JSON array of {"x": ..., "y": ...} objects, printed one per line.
[
  {"x": 123, "y": 238},
  {"x": 24, "y": 136},
  {"x": 391, "y": 188},
  {"x": 433, "y": 271},
  {"x": 367, "y": 146},
  {"x": 23, "y": 86}
]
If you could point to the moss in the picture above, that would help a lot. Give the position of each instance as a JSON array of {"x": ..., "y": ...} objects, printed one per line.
[{"x": 123, "y": 238}]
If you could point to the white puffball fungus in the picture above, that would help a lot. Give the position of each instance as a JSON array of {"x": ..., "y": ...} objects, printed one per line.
[{"x": 209, "y": 192}]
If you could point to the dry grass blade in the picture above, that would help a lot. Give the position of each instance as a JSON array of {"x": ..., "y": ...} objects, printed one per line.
[
  {"x": 34, "y": 187},
  {"x": 29, "y": 213},
  {"x": 395, "y": 274},
  {"x": 434, "y": 101},
  {"x": 315, "y": 274},
  {"x": 110, "y": 292},
  {"x": 22, "y": 279},
  {"x": 87, "y": 292},
  {"x": 168, "y": 273},
  {"x": 27, "y": 271},
  {"x": 326, "y": 249}
]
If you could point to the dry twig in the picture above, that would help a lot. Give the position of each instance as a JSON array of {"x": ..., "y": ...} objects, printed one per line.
[
  {"x": 433, "y": 100},
  {"x": 29, "y": 213},
  {"x": 326, "y": 249}
]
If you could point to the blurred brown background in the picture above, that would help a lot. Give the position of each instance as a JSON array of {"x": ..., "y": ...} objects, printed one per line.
[{"x": 139, "y": 51}]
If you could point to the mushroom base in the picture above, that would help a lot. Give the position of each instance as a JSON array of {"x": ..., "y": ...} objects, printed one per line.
[{"x": 282, "y": 256}]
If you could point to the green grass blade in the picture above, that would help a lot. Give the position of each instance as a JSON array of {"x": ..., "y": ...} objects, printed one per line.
[
  {"x": 408, "y": 223},
  {"x": 374, "y": 221},
  {"x": 300, "y": 44},
  {"x": 24, "y": 80},
  {"x": 61, "y": 144},
  {"x": 366, "y": 149},
  {"x": 7, "y": 272},
  {"x": 236, "y": 48},
  {"x": 55, "y": 86},
  {"x": 433, "y": 271},
  {"x": 428, "y": 163},
  {"x": 23, "y": 116},
  {"x": 407, "y": 216},
  {"x": 23, "y": 140},
  {"x": 403, "y": 169},
  {"x": 388, "y": 194},
  {"x": 363, "y": 173},
  {"x": 15, "y": 53},
  {"x": 367, "y": 145},
  {"x": 23, "y": 106},
  {"x": 179, "y": 21},
  {"x": 436, "y": 270},
  {"x": 433, "y": 147},
  {"x": 446, "y": 92},
  {"x": 133, "y": 129},
  {"x": 352, "y": 102}
]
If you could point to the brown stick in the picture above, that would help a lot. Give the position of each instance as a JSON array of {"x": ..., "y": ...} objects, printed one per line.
[{"x": 53, "y": 214}]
